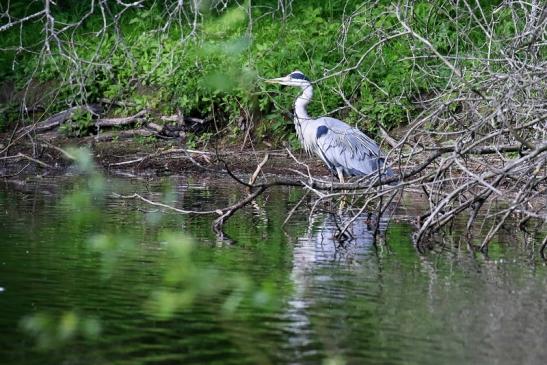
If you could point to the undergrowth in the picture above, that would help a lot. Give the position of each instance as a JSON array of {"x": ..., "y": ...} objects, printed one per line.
[{"x": 215, "y": 69}]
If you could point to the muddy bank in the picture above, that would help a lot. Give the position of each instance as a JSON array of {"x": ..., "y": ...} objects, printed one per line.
[{"x": 45, "y": 156}]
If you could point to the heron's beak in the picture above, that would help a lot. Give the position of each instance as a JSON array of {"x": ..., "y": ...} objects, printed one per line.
[{"x": 279, "y": 80}]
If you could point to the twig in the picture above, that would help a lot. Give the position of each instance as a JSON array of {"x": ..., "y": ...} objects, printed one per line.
[
  {"x": 22, "y": 155},
  {"x": 252, "y": 179}
]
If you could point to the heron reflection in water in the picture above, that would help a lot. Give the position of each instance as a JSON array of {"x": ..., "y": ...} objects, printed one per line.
[
  {"x": 321, "y": 258},
  {"x": 329, "y": 242}
]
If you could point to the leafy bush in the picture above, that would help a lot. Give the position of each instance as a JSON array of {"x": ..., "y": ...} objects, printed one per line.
[{"x": 211, "y": 69}]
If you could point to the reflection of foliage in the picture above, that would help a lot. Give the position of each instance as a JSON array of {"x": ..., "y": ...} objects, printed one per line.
[{"x": 82, "y": 204}]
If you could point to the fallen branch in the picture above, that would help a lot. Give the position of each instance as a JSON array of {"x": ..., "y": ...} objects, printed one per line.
[
  {"x": 23, "y": 156},
  {"x": 166, "y": 206},
  {"x": 171, "y": 151},
  {"x": 485, "y": 150},
  {"x": 252, "y": 180},
  {"x": 183, "y": 119},
  {"x": 57, "y": 119},
  {"x": 229, "y": 211},
  {"x": 118, "y": 122},
  {"x": 109, "y": 136}
]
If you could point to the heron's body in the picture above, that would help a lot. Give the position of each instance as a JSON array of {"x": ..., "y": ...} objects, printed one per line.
[{"x": 344, "y": 149}]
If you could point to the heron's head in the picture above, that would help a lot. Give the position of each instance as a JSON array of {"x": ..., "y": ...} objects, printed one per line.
[{"x": 295, "y": 78}]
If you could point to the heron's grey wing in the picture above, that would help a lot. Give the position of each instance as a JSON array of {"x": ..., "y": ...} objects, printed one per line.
[
  {"x": 352, "y": 136},
  {"x": 347, "y": 148}
]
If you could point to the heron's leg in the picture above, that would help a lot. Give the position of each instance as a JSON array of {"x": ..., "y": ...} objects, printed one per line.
[
  {"x": 340, "y": 175},
  {"x": 343, "y": 181}
]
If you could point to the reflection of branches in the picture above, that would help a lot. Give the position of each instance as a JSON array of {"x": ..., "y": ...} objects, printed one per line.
[
  {"x": 543, "y": 246},
  {"x": 323, "y": 190}
]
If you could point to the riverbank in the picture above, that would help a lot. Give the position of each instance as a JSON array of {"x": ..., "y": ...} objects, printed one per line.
[{"x": 47, "y": 154}]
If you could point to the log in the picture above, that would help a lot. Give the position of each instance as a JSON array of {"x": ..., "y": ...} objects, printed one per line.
[
  {"x": 177, "y": 130},
  {"x": 57, "y": 119},
  {"x": 185, "y": 119},
  {"x": 172, "y": 131},
  {"x": 109, "y": 136},
  {"x": 156, "y": 127},
  {"x": 118, "y": 122}
]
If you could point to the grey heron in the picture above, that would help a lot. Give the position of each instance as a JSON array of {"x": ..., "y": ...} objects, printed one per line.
[{"x": 344, "y": 149}]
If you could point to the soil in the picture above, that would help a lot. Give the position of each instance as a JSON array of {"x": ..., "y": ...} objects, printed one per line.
[{"x": 159, "y": 158}]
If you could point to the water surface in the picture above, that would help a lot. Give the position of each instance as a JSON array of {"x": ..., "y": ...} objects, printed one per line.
[{"x": 349, "y": 303}]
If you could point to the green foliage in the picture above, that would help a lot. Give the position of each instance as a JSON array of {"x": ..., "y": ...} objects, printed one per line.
[
  {"x": 212, "y": 70},
  {"x": 79, "y": 124},
  {"x": 145, "y": 139}
]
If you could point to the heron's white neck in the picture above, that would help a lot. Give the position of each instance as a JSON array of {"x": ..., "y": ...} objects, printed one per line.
[{"x": 302, "y": 102}]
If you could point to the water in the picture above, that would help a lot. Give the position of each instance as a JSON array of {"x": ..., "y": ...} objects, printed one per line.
[{"x": 305, "y": 299}]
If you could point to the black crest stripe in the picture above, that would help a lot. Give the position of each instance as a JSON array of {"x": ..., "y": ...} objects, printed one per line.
[{"x": 299, "y": 76}]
